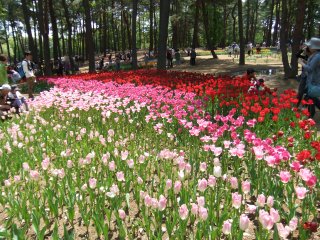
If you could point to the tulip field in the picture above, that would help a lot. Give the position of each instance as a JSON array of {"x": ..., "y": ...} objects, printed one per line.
[{"x": 159, "y": 155}]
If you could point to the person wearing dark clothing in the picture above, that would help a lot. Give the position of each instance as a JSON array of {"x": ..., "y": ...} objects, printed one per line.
[
  {"x": 302, "y": 90},
  {"x": 193, "y": 56},
  {"x": 101, "y": 64},
  {"x": 169, "y": 58},
  {"x": 312, "y": 69}
]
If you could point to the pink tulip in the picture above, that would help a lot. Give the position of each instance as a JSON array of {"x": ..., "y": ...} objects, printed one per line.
[
  {"x": 162, "y": 203},
  {"x": 139, "y": 180},
  {"x": 293, "y": 224},
  {"x": 112, "y": 166},
  {"x": 270, "y": 201},
  {"x": 285, "y": 176},
  {"x": 92, "y": 183},
  {"x": 265, "y": 220},
  {"x": 305, "y": 174},
  {"x": 211, "y": 181},
  {"x": 84, "y": 187},
  {"x": 177, "y": 186},
  {"x": 69, "y": 164},
  {"x": 203, "y": 167},
  {"x": 183, "y": 212},
  {"x": 236, "y": 200},
  {"x": 188, "y": 168},
  {"x": 274, "y": 215},
  {"x": 169, "y": 184},
  {"x": 203, "y": 213},
  {"x": 301, "y": 192},
  {"x": 296, "y": 166},
  {"x": 34, "y": 174},
  {"x": 261, "y": 200},
  {"x": 130, "y": 163},
  {"x": 120, "y": 176},
  {"x": 245, "y": 187},
  {"x": 45, "y": 163},
  {"x": 244, "y": 222},
  {"x": 122, "y": 214},
  {"x": 226, "y": 228},
  {"x": 194, "y": 209},
  {"x": 17, "y": 178},
  {"x": 201, "y": 201},
  {"x": 284, "y": 232},
  {"x": 202, "y": 185},
  {"x": 234, "y": 182},
  {"x": 7, "y": 183},
  {"x": 147, "y": 200},
  {"x": 252, "y": 208},
  {"x": 25, "y": 167},
  {"x": 217, "y": 172},
  {"x": 154, "y": 203}
]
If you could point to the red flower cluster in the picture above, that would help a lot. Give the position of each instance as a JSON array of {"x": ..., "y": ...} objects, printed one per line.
[
  {"x": 311, "y": 226},
  {"x": 201, "y": 84}
]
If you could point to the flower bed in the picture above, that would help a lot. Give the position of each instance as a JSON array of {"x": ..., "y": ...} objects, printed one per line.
[{"x": 111, "y": 156}]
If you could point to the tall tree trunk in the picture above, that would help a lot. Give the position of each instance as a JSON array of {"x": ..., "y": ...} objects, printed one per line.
[
  {"x": 105, "y": 29},
  {"x": 276, "y": 25},
  {"x": 242, "y": 53},
  {"x": 69, "y": 28},
  {"x": 151, "y": 9},
  {"x": 14, "y": 40},
  {"x": 284, "y": 38},
  {"x": 155, "y": 31},
  {"x": 89, "y": 37},
  {"x": 46, "y": 44},
  {"x": 134, "y": 34},
  {"x": 225, "y": 25},
  {"x": 55, "y": 34},
  {"x": 269, "y": 29},
  {"x": 163, "y": 33},
  {"x": 206, "y": 29},
  {"x": 248, "y": 21},
  {"x": 26, "y": 16},
  {"x": 310, "y": 19},
  {"x": 175, "y": 24},
  {"x": 7, "y": 40},
  {"x": 255, "y": 23},
  {"x": 195, "y": 38},
  {"x": 122, "y": 29},
  {"x": 297, "y": 35},
  {"x": 234, "y": 19},
  {"x": 126, "y": 20},
  {"x": 63, "y": 41}
]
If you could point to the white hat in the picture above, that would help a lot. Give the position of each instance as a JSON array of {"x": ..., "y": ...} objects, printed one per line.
[
  {"x": 314, "y": 43},
  {"x": 5, "y": 87}
]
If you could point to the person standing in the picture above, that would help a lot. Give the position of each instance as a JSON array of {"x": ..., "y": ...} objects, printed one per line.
[
  {"x": 3, "y": 70},
  {"x": 178, "y": 57},
  {"x": 29, "y": 72},
  {"x": 118, "y": 62},
  {"x": 193, "y": 56},
  {"x": 312, "y": 69}
]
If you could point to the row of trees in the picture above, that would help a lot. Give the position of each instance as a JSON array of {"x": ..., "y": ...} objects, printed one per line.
[{"x": 51, "y": 29}]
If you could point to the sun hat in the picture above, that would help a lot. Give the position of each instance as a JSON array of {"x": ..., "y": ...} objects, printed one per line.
[
  {"x": 5, "y": 87},
  {"x": 314, "y": 43}
]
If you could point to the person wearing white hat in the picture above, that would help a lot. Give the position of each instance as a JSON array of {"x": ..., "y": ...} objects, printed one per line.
[{"x": 312, "y": 69}]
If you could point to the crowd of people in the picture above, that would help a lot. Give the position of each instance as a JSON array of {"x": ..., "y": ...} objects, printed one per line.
[{"x": 10, "y": 96}]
